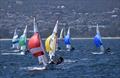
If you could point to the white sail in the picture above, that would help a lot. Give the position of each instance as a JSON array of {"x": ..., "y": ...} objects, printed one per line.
[
  {"x": 15, "y": 32},
  {"x": 25, "y": 30},
  {"x": 97, "y": 30},
  {"x": 15, "y": 40},
  {"x": 56, "y": 27},
  {"x": 35, "y": 26},
  {"x": 64, "y": 32},
  {"x": 61, "y": 34},
  {"x": 54, "y": 37},
  {"x": 68, "y": 32}
]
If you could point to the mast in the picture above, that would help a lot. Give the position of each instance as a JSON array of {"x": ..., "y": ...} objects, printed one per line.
[
  {"x": 35, "y": 26},
  {"x": 25, "y": 30},
  {"x": 15, "y": 32},
  {"x": 68, "y": 32}
]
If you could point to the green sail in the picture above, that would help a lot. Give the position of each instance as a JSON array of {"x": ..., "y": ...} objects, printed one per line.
[{"x": 22, "y": 41}]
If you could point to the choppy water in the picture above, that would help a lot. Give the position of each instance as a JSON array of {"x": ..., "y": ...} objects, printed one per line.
[{"x": 80, "y": 63}]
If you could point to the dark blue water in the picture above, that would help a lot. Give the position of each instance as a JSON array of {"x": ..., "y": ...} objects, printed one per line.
[{"x": 80, "y": 63}]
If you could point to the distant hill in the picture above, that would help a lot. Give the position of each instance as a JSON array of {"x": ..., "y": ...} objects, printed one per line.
[
  {"x": 80, "y": 5},
  {"x": 78, "y": 14}
]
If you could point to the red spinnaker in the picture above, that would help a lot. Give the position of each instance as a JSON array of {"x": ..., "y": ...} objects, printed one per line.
[{"x": 35, "y": 45}]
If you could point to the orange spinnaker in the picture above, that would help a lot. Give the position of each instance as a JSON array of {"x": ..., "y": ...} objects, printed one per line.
[{"x": 34, "y": 42}]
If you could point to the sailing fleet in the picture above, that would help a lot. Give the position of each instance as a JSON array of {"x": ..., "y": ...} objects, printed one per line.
[{"x": 35, "y": 44}]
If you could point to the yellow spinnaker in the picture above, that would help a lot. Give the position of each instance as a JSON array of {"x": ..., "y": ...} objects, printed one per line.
[
  {"x": 47, "y": 44},
  {"x": 50, "y": 43}
]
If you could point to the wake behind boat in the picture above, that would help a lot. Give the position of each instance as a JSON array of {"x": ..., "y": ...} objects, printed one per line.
[
  {"x": 49, "y": 66},
  {"x": 97, "y": 52},
  {"x": 14, "y": 53},
  {"x": 33, "y": 68}
]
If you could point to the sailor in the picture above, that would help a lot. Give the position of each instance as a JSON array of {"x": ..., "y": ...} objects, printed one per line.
[
  {"x": 72, "y": 48},
  {"x": 58, "y": 48},
  {"x": 108, "y": 50},
  {"x": 56, "y": 61},
  {"x": 27, "y": 51}
]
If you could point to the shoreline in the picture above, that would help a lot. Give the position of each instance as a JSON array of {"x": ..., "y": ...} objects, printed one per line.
[{"x": 85, "y": 38}]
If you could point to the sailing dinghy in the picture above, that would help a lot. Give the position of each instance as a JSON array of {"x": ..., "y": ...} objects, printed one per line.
[
  {"x": 23, "y": 41},
  {"x": 67, "y": 41},
  {"x": 51, "y": 42},
  {"x": 36, "y": 48},
  {"x": 98, "y": 41},
  {"x": 15, "y": 40}
]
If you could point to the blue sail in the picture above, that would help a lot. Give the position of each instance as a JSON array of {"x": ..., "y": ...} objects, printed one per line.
[
  {"x": 97, "y": 40},
  {"x": 67, "y": 40}
]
